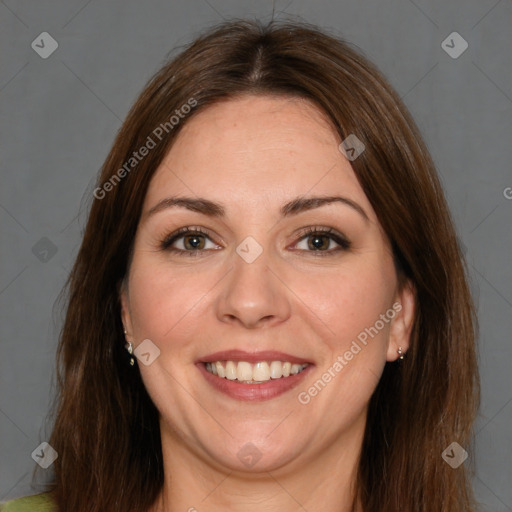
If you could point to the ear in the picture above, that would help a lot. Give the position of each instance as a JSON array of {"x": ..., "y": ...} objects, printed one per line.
[
  {"x": 401, "y": 324},
  {"x": 125, "y": 309}
]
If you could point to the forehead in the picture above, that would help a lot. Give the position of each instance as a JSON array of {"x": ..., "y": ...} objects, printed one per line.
[{"x": 255, "y": 149}]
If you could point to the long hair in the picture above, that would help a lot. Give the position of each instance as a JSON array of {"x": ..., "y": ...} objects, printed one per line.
[{"x": 106, "y": 428}]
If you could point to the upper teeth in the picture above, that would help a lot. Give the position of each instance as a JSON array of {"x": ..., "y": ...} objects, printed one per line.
[{"x": 258, "y": 372}]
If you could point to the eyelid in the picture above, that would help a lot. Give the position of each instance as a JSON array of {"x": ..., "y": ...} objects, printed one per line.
[
  {"x": 335, "y": 235},
  {"x": 185, "y": 230}
]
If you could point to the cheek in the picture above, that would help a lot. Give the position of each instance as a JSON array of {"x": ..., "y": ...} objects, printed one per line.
[
  {"x": 350, "y": 299},
  {"x": 351, "y": 303},
  {"x": 160, "y": 300}
]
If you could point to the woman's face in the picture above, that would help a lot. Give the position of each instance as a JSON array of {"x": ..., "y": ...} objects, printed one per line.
[{"x": 260, "y": 285}]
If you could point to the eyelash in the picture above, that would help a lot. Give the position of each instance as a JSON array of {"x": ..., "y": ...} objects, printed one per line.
[{"x": 343, "y": 243}]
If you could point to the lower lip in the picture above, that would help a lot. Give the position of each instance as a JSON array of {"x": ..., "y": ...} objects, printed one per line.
[{"x": 254, "y": 392}]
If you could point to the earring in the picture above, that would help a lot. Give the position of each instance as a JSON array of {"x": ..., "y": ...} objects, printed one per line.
[
  {"x": 129, "y": 347},
  {"x": 400, "y": 353}
]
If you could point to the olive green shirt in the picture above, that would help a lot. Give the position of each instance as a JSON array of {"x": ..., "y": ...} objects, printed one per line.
[{"x": 37, "y": 503}]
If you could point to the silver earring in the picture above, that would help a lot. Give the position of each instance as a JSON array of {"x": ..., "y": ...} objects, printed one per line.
[
  {"x": 400, "y": 353},
  {"x": 129, "y": 347}
]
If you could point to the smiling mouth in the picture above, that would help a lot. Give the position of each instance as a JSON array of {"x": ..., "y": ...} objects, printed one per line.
[{"x": 257, "y": 373}]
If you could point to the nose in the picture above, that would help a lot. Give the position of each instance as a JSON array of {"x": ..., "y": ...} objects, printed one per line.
[{"x": 253, "y": 295}]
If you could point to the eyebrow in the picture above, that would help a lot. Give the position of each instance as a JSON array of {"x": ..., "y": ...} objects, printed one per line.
[{"x": 211, "y": 209}]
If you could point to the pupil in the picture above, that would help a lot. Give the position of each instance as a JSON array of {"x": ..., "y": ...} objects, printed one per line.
[
  {"x": 317, "y": 242},
  {"x": 194, "y": 241}
]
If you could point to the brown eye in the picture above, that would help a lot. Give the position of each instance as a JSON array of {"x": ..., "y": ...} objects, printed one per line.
[
  {"x": 187, "y": 241},
  {"x": 318, "y": 242},
  {"x": 322, "y": 241},
  {"x": 193, "y": 242}
]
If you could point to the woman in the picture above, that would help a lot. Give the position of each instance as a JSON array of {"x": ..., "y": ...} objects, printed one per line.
[{"x": 269, "y": 309}]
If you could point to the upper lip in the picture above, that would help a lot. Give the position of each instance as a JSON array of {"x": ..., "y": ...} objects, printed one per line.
[{"x": 251, "y": 357}]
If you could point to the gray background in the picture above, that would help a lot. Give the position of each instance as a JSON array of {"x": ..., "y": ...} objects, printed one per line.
[{"x": 59, "y": 116}]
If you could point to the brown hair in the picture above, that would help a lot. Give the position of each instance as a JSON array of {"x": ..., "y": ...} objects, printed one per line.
[{"x": 106, "y": 428}]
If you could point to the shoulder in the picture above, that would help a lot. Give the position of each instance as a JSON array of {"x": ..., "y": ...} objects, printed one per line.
[{"x": 37, "y": 503}]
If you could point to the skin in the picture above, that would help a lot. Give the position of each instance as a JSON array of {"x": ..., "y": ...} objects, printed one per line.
[{"x": 253, "y": 154}]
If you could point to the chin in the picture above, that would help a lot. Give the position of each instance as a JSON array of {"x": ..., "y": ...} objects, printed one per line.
[{"x": 258, "y": 456}]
